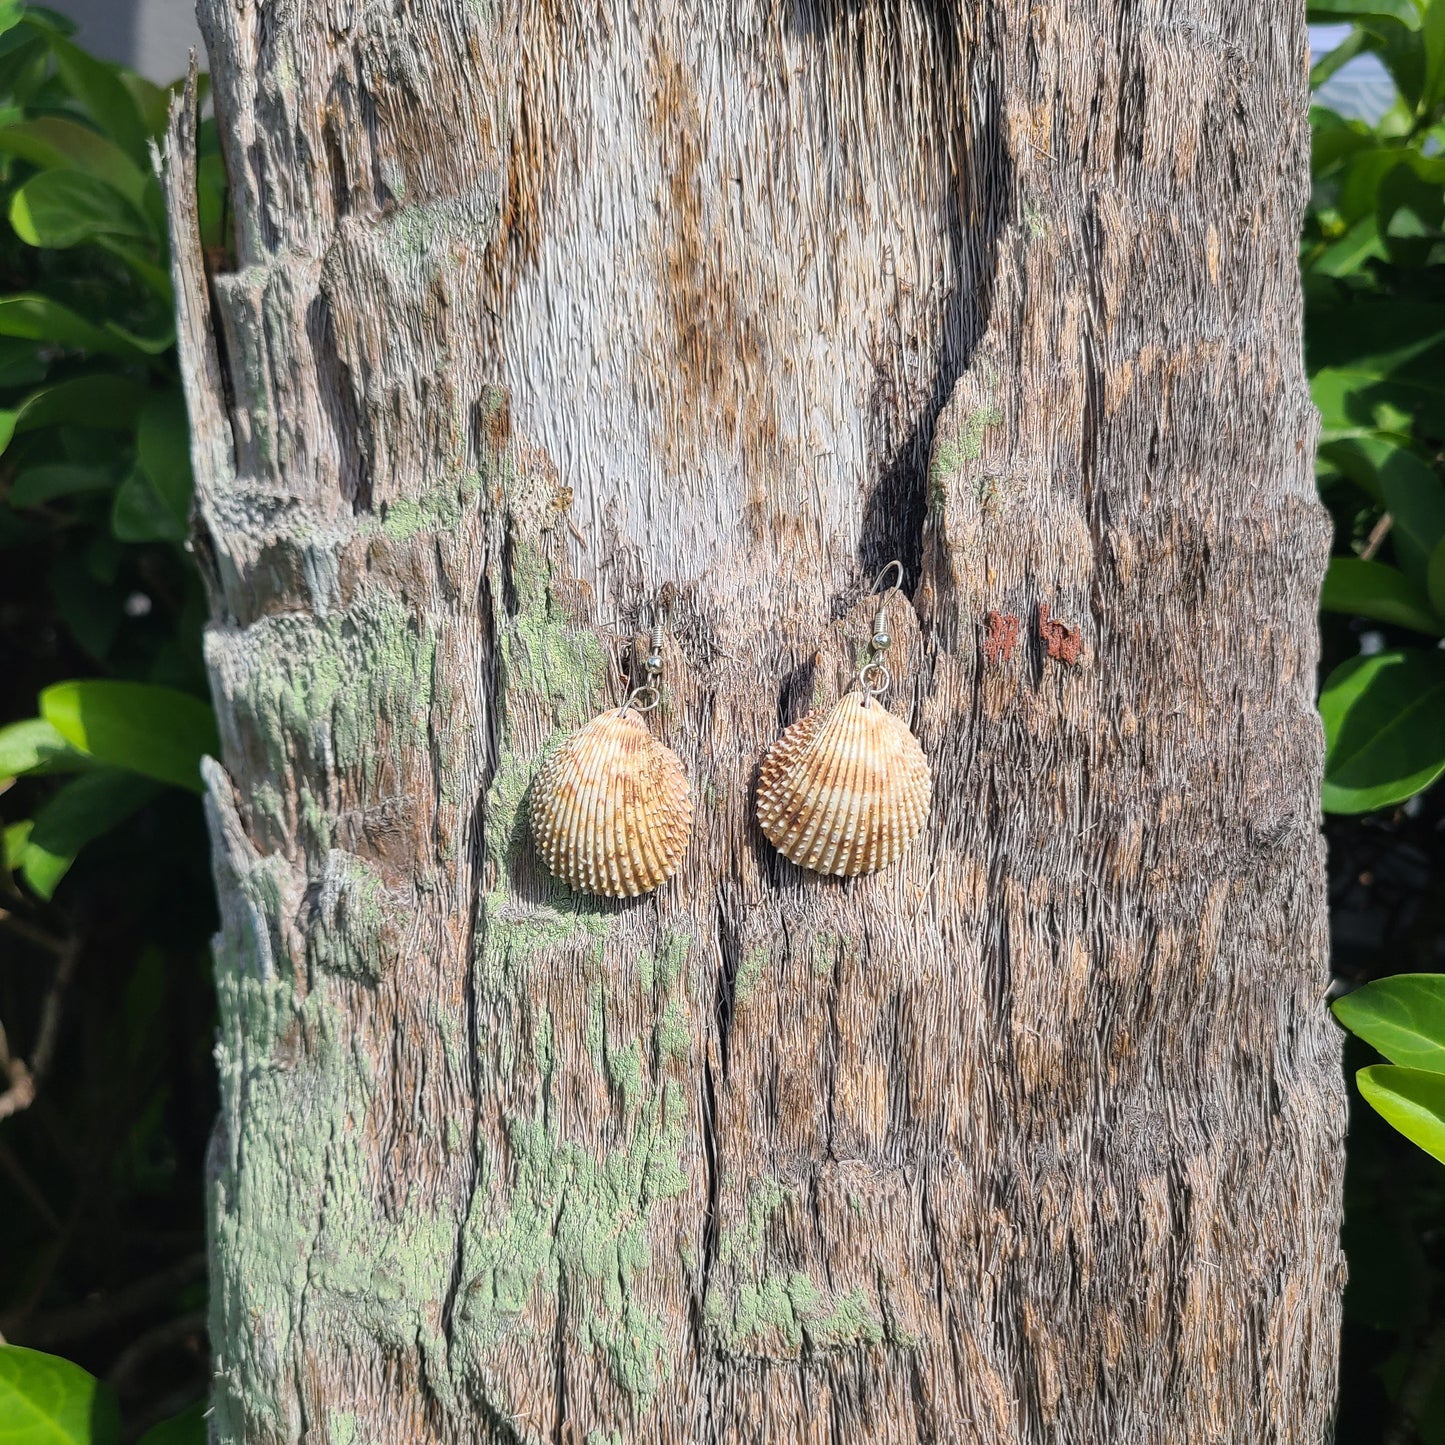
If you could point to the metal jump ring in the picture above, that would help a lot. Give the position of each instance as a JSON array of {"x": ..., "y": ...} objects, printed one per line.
[
  {"x": 871, "y": 671},
  {"x": 648, "y": 691}
]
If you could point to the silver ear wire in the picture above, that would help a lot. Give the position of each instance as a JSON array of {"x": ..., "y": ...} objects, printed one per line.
[
  {"x": 646, "y": 697},
  {"x": 882, "y": 640}
]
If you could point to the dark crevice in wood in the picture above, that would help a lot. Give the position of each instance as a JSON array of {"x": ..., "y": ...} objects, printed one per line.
[
  {"x": 334, "y": 387},
  {"x": 922, "y": 1413},
  {"x": 978, "y": 207},
  {"x": 336, "y": 165},
  {"x": 559, "y": 1342},
  {"x": 476, "y": 924},
  {"x": 724, "y": 998},
  {"x": 1094, "y": 499},
  {"x": 795, "y": 692},
  {"x": 270, "y": 236},
  {"x": 830, "y": 1082},
  {"x": 710, "y": 1213}
]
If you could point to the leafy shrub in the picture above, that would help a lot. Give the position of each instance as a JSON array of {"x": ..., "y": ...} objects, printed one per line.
[
  {"x": 108, "y": 1094},
  {"x": 1374, "y": 269},
  {"x": 96, "y": 489},
  {"x": 1403, "y": 1018}
]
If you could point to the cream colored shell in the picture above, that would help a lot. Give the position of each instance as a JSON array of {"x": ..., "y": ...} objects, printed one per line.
[
  {"x": 610, "y": 809},
  {"x": 844, "y": 790}
]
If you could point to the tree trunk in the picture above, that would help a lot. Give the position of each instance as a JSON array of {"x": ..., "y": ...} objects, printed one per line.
[{"x": 1035, "y": 1136}]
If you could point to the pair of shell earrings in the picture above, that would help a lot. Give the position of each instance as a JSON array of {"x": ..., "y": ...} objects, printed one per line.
[{"x": 843, "y": 791}]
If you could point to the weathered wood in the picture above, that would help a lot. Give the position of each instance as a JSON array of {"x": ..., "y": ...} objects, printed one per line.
[{"x": 1034, "y": 1137}]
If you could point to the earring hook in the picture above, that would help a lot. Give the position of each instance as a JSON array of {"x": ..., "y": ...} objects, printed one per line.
[
  {"x": 881, "y": 639},
  {"x": 646, "y": 697},
  {"x": 899, "y": 583}
]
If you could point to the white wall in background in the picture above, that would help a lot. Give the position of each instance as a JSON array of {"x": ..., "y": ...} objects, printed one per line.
[{"x": 153, "y": 36}]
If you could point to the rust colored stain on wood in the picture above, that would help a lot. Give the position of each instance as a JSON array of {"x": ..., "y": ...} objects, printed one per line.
[
  {"x": 1001, "y": 638},
  {"x": 1061, "y": 642}
]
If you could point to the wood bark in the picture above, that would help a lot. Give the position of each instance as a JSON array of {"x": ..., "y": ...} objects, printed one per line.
[{"x": 1034, "y": 1137}]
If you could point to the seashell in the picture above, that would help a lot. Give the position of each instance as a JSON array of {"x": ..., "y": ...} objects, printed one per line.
[
  {"x": 846, "y": 789},
  {"x": 610, "y": 810}
]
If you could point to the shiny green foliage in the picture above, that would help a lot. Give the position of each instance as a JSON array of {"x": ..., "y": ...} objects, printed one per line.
[{"x": 1374, "y": 270}]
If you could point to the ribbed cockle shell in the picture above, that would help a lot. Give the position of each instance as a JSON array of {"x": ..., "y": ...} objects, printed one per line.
[
  {"x": 610, "y": 810},
  {"x": 845, "y": 789}
]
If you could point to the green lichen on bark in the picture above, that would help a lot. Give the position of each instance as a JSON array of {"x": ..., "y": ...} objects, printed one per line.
[
  {"x": 308, "y": 1252},
  {"x": 544, "y": 663},
  {"x": 419, "y": 237},
  {"x": 351, "y": 926},
  {"x": 851, "y": 1321},
  {"x": 950, "y": 454},
  {"x": 510, "y": 934},
  {"x": 775, "y": 1307},
  {"x": 749, "y": 974},
  {"x": 788, "y": 1314},
  {"x": 352, "y": 690},
  {"x": 765, "y": 1198},
  {"x": 673, "y": 1033},
  {"x": 441, "y": 509},
  {"x": 576, "y": 1219},
  {"x": 663, "y": 968},
  {"x": 826, "y": 949}
]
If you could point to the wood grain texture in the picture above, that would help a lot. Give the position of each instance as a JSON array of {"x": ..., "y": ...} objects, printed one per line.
[{"x": 1033, "y": 1137}]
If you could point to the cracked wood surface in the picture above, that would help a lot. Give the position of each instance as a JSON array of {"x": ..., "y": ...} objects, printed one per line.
[{"x": 1034, "y": 1137}]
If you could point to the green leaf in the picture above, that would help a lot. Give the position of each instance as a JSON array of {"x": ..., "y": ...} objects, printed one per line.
[
  {"x": 101, "y": 401},
  {"x": 12, "y": 843},
  {"x": 99, "y": 88},
  {"x": 56, "y": 479},
  {"x": 1389, "y": 334},
  {"x": 10, "y": 13},
  {"x": 1408, "y": 488},
  {"x": 1411, "y": 208},
  {"x": 20, "y": 364},
  {"x": 1402, "y": 1017},
  {"x": 53, "y": 141},
  {"x": 153, "y": 103},
  {"x": 45, "y": 1400},
  {"x": 141, "y": 514},
  {"x": 1402, "y": 51},
  {"x": 1378, "y": 366},
  {"x": 81, "y": 811},
  {"x": 1435, "y": 579},
  {"x": 187, "y": 1428},
  {"x": 1413, "y": 1100},
  {"x": 155, "y": 731},
  {"x": 1333, "y": 137},
  {"x": 1361, "y": 178},
  {"x": 87, "y": 607},
  {"x": 1361, "y": 243},
  {"x": 34, "y": 317},
  {"x": 1332, "y": 11},
  {"x": 1433, "y": 35},
  {"x": 34, "y": 746},
  {"x": 163, "y": 449},
  {"x": 1384, "y": 720},
  {"x": 1359, "y": 587},
  {"x": 155, "y": 278},
  {"x": 57, "y": 209}
]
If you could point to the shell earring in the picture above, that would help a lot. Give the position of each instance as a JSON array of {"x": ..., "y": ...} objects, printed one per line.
[
  {"x": 611, "y": 812},
  {"x": 847, "y": 788}
]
